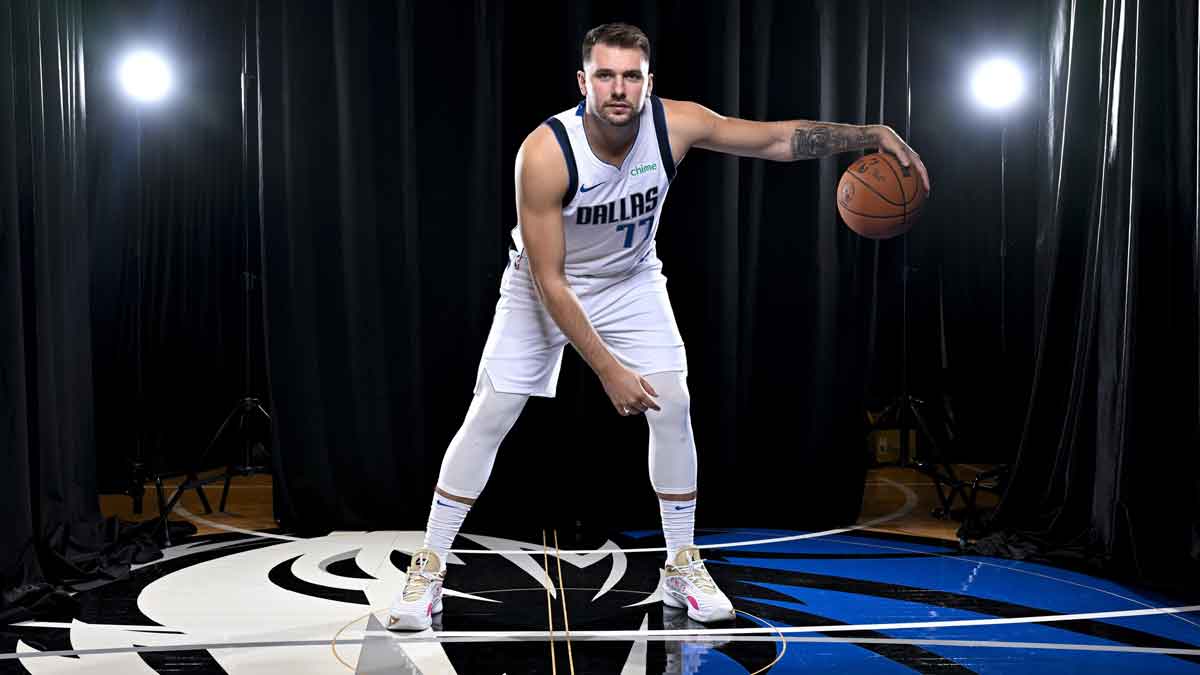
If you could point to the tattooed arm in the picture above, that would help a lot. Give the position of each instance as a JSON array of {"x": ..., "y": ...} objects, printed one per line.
[
  {"x": 693, "y": 125},
  {"x": 813, "y": 140}
]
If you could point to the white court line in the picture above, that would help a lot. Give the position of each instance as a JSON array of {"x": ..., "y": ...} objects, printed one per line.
[
  {"x": 910, "y": 503},
  {"x": 231, "y": 487},
  {"x": 721, "y": 640},
  {"x": 100, "y": 626},
  {"x": 792, "y": 630},
  {"x": 229, "y": 528},
  {"x": 1051, "y": 646},
  {"x": 1170, "y": 651},
  {"x": 710, "y": 632},
  {"x": 708, "y": 640},
  {"x": 383, "y": 559},
  {"x": 700, "y": 635}
]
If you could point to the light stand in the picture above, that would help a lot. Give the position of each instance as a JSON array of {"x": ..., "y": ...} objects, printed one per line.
[
  {"x": 248, "y": 406},
  {"x": 1003, "y": 239},
  {"x": 146, "y": 78},
  {"x": 998, "y": 84},
  {"x": 137, "y": 473},
  {"x": 906, "y": 409},
  {"x": 996, "y": 479}
]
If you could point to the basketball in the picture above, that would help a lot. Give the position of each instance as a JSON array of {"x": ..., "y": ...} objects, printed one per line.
[{"x": 878, "y": 198}]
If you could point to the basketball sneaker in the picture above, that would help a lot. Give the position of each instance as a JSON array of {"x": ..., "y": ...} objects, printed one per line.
[
  {"x": 686, "y": 584},
  {"x": 421, "y": 598}
]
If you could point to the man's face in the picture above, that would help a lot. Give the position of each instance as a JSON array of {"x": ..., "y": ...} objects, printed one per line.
[{"x": 615, "y": 82}]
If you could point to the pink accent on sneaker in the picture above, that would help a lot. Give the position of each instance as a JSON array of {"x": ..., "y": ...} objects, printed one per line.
[
  {"x": 695, "y": 605},
  {"x": 429, "y": 610}
]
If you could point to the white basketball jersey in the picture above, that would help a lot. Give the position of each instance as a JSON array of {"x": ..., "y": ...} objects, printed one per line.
[{"x": 611, "y": 213}]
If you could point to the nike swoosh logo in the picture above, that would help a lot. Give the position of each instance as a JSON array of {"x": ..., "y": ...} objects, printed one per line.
[
  {"x": 584, "y": 188},
  {"x": 444, "y": 503},
  {"x": 682, "y": 508}
]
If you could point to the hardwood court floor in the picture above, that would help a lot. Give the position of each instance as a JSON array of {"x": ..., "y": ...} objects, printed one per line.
[{"x": 250, "y": 508}]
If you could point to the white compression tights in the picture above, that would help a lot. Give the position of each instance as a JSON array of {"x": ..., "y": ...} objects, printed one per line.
[
  {"x": 672, "y": 447},
  {"x": 470, "y": 456}
]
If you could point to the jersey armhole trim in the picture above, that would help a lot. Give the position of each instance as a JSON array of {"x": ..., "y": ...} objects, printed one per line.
[
  {"x": 664, "y": 141},
  {"x": 560, "y": 133}
]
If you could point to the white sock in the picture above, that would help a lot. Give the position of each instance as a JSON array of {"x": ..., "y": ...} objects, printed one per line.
[
  {"x": 446, "y": 516},
  {"x": 679, "y": 523}
]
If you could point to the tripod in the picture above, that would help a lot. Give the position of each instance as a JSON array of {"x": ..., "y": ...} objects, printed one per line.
[
  {"x": 243, "y": 411},
  {"x": 248, "y": 406}
]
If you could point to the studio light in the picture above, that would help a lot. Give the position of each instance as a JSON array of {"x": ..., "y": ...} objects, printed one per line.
[
  {"x": 145, "y": 76},
  {"x": 997, "y": 83}
]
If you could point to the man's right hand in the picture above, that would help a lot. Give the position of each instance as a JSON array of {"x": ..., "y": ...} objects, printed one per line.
[{"x": 629, "y": 392}]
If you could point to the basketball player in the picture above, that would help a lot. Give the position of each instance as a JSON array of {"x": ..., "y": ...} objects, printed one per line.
[{"x": 591, "y": 183}]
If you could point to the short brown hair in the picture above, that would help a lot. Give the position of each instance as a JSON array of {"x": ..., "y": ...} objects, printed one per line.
[{"x": 615, "y": 35}]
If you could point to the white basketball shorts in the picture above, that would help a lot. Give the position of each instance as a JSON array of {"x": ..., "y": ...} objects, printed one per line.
[{"x": 632, "y": 315}]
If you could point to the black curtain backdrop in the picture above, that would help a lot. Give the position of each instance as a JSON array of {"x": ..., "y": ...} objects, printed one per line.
[
  {"x": 46, "y": 414},
  {"x": 53, "y": 537},
  {"x": 387, "y": 139},
  {"x": 389, "y": 133},
  {"x": 1108, "y": 463}
]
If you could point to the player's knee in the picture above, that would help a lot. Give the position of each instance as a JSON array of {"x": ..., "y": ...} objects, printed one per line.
[
  {"x": 673, "y": 397},
  {"x": 493, "y": 413},
  {"x": 672, "y": 450}
]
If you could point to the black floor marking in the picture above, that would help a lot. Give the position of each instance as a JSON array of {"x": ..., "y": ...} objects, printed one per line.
[{"x": 282, "y": 576}]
